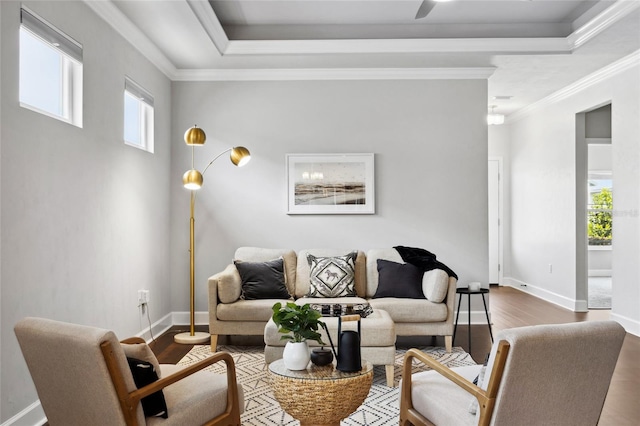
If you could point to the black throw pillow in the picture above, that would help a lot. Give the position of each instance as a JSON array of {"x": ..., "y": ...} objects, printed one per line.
[
  {"x": 262, "y": 280},
  {"x": 402, "y": 280},
  {"x": 144, "y": 374}
]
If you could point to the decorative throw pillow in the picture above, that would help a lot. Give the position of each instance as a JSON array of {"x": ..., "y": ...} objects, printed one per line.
[
  {"x": 402, "y": 280},
  {"x": 143, "y": 352},
  {"x": 435, "y": 285},
  {"x": 144, "y": 374},
  {"x": 332, "y": 276},
  {"x": 262, "y": 280}
]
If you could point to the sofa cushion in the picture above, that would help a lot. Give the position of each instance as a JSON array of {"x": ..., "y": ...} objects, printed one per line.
[
  {"x": 401, "y": 280},
  {"x": 411, "y": 310},
  {"x": 435, "y": 285},
  {"x": 247, "y": 310},
  {"x": 256, "y": 254},
  {"x": 262, "y": 280},
  {"x": 332, "y": 276},
  {"x": 303, "y": 269}
]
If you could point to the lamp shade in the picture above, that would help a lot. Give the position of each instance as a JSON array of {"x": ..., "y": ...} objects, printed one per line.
[
  {"x": 192, "y": 179},
  {"x": 240, "y": 156},
  {"x": 195, "y": 136}
]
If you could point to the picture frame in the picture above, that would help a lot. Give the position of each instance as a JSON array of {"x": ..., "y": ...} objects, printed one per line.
[{"x": 330, "y": 183}]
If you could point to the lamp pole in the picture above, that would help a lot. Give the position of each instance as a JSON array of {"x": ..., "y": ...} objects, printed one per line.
[{"x": 193, "y": 180}]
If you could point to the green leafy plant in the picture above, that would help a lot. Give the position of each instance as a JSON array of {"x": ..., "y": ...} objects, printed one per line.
[
  {"x": 297, "y": 322},
  {"x": 600, "y": 218}
]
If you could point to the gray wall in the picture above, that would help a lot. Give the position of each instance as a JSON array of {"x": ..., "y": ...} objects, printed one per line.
[
  {"x": 84, "y": 218},
  {"x": 430, "y": 144}
]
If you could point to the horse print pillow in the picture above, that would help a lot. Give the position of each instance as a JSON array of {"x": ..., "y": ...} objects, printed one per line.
[{"x": 332, "y": 276}]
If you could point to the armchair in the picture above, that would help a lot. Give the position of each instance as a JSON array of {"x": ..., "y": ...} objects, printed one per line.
[
  {"x": 546, "y": 375},
  {"x": 82, "y": 377}
]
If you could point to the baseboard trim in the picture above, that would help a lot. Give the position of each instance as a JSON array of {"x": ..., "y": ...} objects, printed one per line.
[
  {"x": 157, "y": 328},
  {"x": 182, "y": 318},
  {"x": 632, "y": 326},
  {"x": 600, "y": 273},
  {"x": 548, "y": 296},
  {"x": 32, "y": 415}
]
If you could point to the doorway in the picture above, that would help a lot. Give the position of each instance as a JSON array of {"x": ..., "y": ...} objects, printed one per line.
[{"x": 594, "y": 209}]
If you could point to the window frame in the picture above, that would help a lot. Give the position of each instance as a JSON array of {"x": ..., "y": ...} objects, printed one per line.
[
  {"x": 71, "y": 62},
  {"x": 146, "y": 113}
]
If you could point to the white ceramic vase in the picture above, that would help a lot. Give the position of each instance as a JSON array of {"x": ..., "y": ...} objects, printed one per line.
[{"x": 296, "y": 355}]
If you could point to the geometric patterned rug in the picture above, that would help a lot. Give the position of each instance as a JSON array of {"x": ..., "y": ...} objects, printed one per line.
[{"x": 380, "y": 408}]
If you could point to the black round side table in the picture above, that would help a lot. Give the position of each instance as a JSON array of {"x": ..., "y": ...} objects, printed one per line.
[{"x": 482, "y": 292}]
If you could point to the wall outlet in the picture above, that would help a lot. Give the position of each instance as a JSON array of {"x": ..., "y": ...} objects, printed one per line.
[
  {"x": 143, "y": 297},
  {"x": 550, "y": 268}
]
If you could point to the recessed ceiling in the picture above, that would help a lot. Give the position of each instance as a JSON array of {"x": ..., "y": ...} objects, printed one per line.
[{"x": 530, "y": 48}]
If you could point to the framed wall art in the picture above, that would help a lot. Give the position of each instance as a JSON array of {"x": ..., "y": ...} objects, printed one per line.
[{"x": 330, "y": 184}]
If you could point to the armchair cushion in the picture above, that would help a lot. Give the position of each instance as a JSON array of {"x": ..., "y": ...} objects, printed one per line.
[
  {"x": 263, "y": 280},
  {"x": 434, "y": 397},
  {"x": 401, "y": 280}
]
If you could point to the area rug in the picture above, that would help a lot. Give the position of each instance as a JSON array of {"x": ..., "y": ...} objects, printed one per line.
[
  {"x": 380, "y": 408},
  {"x": 600, "y": 289}
]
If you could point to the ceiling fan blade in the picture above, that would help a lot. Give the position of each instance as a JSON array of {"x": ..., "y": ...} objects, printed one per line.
[{"x": 425, "y": 8}]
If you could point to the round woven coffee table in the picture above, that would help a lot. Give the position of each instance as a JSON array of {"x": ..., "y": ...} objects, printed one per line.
[{"x": 320, "y": 395}]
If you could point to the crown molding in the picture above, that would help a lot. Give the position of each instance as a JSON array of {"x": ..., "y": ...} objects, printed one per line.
[
  {"x": 305, "y": 74},
  {"x": 211, "y": 24},
  {"x": 609, "y": 71},
  {"x": 551, "y": 45},
  {"x": 601, "y": 22},
  {"x": 127, "y": 29}
]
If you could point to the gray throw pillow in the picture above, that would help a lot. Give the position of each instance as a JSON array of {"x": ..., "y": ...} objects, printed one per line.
[
  {"x": 262, "y": 280},
  {"x": 402, "y": 280},
  {"x": 332, "y": 276}
]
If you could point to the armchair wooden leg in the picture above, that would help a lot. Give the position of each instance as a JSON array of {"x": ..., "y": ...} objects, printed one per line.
[
  {"x": 214, "y": 343},
  {"x": 448, "y": 343}
]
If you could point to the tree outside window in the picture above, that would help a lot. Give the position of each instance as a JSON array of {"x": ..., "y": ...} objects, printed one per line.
[{"x": 600, "y": 217}]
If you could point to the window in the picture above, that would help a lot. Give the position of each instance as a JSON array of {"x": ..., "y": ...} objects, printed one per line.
[
  {"x": 138, "y": 116},
  {"x": 50, "y": 70},
  {"x": 600, "y": 209}
]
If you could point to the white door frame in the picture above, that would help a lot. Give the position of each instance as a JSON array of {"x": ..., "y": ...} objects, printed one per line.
[{"x": 500, "y": 219}]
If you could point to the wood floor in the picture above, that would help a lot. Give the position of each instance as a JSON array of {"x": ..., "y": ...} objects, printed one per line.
[{"x": 509, "y": 308}]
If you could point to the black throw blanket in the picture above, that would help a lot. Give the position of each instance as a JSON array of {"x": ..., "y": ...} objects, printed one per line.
[{"x": 423, "y": 259}]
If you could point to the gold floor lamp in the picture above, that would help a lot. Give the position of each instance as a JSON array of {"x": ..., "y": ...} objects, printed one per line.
[{"x": 192, "y": 180}]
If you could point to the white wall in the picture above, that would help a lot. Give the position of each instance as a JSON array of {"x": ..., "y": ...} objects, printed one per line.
[
  {"x": 85, "y": 219},
  {"x": 543, "y": 193},
  {"x": 430, "y": 144}
]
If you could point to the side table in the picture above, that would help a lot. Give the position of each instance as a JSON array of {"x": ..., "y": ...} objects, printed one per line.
[
  {"x": 482, "y": 292},
  {"x": 320, "y": 395}
]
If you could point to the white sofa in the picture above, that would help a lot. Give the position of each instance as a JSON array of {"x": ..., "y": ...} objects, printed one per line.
[{"x": 229, "y": 314}]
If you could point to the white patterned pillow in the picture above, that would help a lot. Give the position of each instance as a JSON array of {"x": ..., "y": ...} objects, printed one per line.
[{"x": 332, "y": 276}]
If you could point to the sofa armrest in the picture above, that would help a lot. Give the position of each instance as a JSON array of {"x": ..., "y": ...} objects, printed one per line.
[
  {"x": 450, "y": 301},
  {"x": 224, "y": 287}
]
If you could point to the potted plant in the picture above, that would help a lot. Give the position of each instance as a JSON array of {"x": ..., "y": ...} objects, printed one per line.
[{"x": 298, "y": 323}]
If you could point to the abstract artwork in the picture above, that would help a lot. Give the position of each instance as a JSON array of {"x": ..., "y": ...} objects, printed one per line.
[{"x": 330, "y": 184}]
